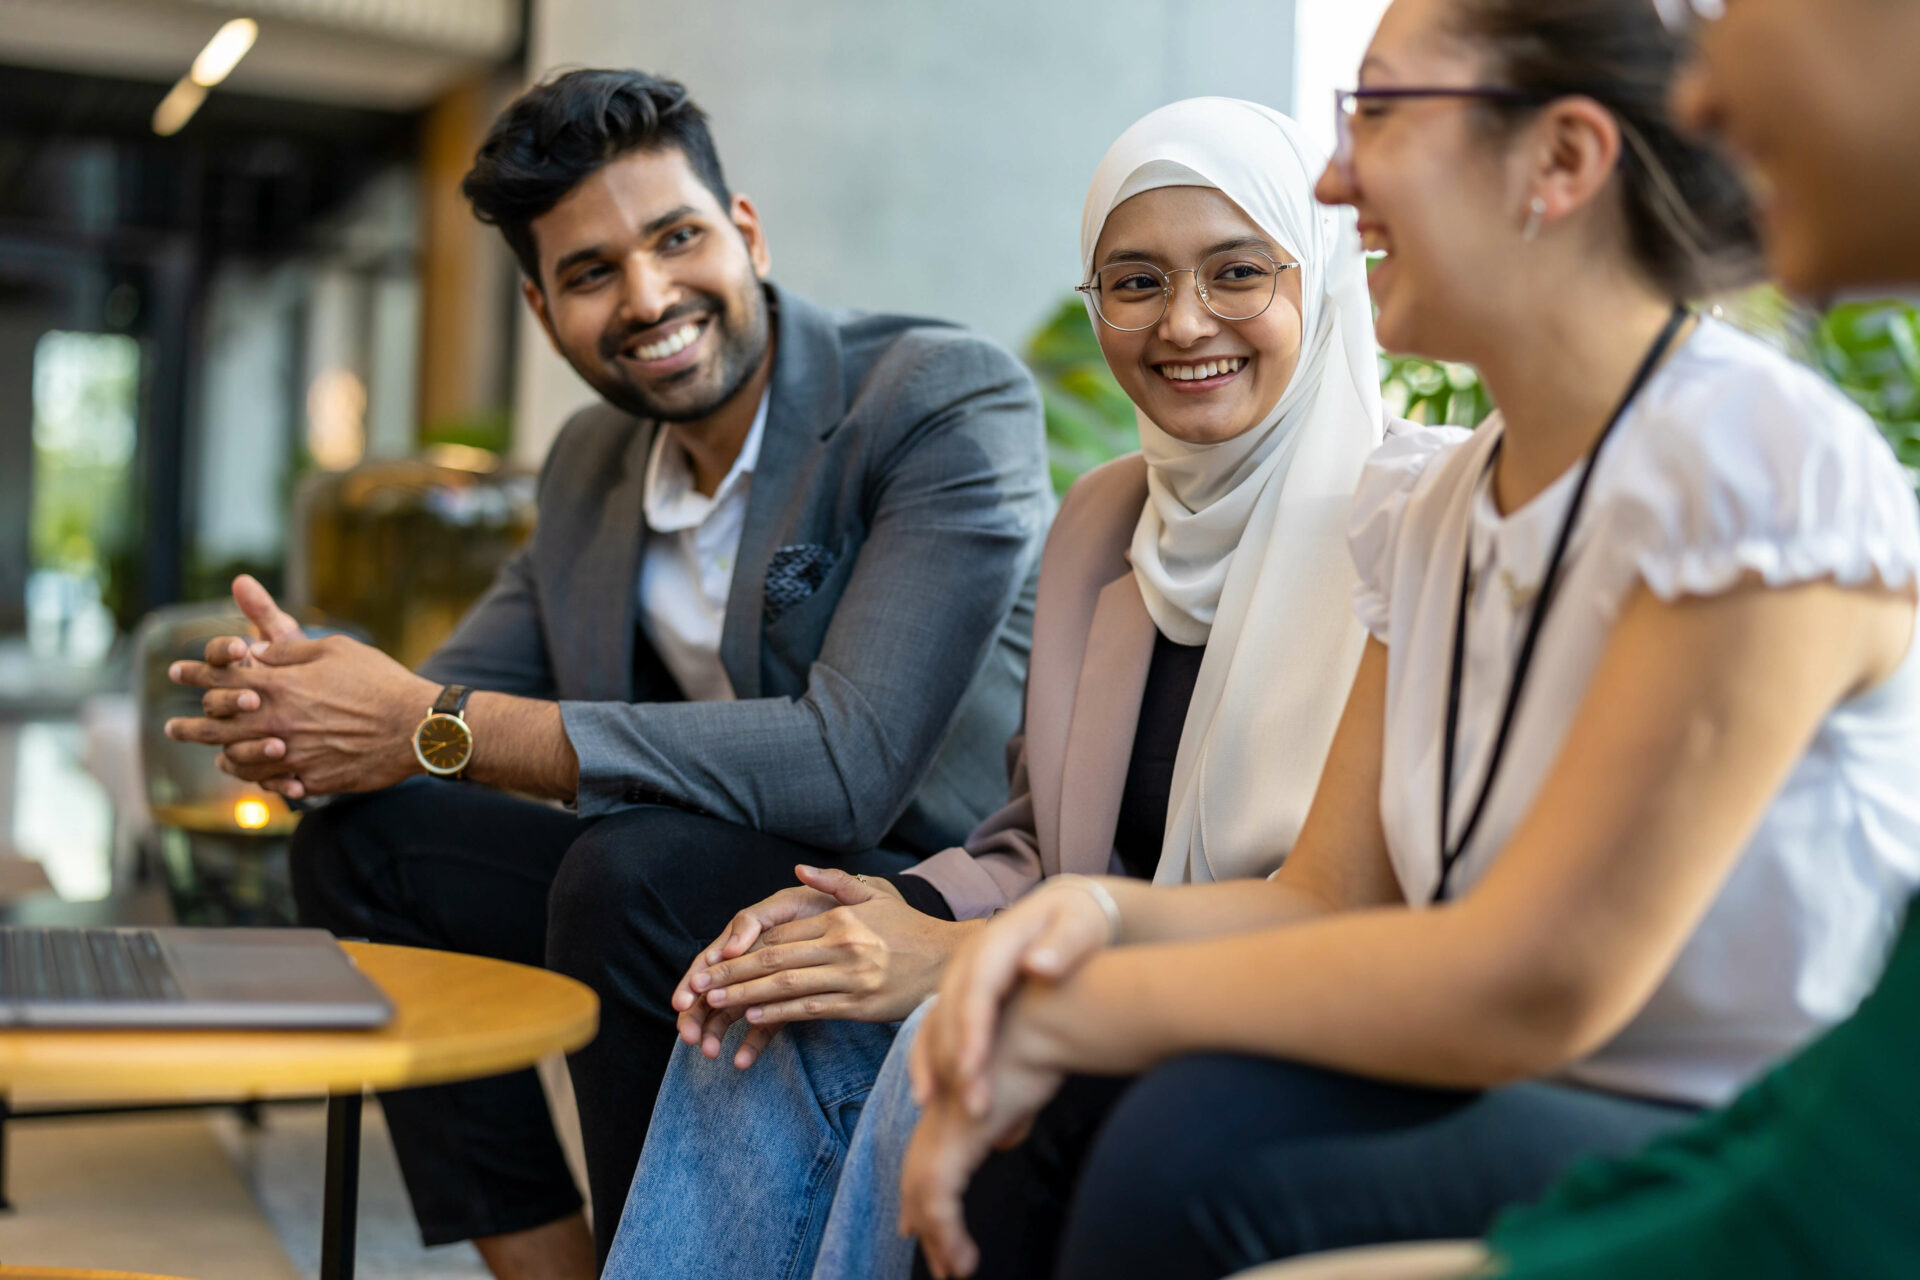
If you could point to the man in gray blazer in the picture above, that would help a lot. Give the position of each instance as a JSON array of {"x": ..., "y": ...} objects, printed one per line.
[{"x": 776, "y": 610}]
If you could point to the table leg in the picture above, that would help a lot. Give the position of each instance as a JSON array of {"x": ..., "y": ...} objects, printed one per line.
[
  {"x": 6, "y": 1205},
  {"x": 342, "y": 1187}
]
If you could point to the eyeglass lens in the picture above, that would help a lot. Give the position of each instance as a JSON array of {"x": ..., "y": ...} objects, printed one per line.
[
  {"x": 1238, "y": 284},
  {"x": 1343, "y": 105}
]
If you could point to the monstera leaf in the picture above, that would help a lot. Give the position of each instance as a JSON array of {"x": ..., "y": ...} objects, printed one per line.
[{"x": 1089, "y": 419}]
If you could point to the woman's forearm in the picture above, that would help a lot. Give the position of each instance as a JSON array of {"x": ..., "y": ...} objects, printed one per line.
[
  {"x": 1577, "y": 920},
  {"x": 1398, "y": 994},
  {"x": 952, "y": 935},
  {"x": 916, "y": 960},
  {"x": 1155, "y": 914}
]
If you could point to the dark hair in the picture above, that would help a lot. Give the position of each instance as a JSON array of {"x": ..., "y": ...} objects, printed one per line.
[
  {"x": 1690, "y": 222},
  {"x": 562, "y": 130}
]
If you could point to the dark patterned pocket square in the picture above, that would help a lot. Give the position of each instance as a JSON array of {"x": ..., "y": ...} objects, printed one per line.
[{"x": 795, "y": 573}]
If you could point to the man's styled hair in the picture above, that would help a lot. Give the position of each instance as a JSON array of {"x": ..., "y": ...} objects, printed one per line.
[{"x": 562, "y": 130}]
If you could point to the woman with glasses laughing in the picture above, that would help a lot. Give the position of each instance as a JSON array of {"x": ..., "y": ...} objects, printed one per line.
[
  {"x": 1811, "y": 1172},
  {"x": 1622, "y": 808}
]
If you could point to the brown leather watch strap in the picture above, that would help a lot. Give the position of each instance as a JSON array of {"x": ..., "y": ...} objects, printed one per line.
[{"x": 452, "y": 700}]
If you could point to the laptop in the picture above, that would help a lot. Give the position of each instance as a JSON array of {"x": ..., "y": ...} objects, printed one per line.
[{"x": 170, "y": 977}]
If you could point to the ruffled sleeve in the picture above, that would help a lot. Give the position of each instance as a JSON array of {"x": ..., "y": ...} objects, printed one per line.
[
  {"x": 1774, "y": 473},
  {"x": 1379, "y": 509}
]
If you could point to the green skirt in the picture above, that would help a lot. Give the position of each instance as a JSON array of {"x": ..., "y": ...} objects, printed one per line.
[{"x": 1813, "y": 1171}]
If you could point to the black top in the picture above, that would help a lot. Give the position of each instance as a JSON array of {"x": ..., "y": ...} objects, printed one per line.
[
  {"x": 1142, "y": 828},
  {"x": 922, "y": 896},
  {"x": 1156, "y": 741}
]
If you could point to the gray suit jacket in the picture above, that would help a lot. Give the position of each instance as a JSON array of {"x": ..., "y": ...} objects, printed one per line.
[{"x": 880, "y": 613}]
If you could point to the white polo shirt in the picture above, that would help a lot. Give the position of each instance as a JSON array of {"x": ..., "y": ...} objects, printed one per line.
[{"x": 686, "y": 571}]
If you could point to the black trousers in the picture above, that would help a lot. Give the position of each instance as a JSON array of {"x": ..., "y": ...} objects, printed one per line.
[
  {"x": 1215, "y": 1163},
  {"x": 622, "y": 904}
]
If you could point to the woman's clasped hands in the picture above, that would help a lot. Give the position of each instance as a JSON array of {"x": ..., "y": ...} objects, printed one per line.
[{"x": 836, "y": 945}]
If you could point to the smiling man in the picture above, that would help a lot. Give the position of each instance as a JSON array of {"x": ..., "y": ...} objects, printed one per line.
[{"x": 776, "y": 610}]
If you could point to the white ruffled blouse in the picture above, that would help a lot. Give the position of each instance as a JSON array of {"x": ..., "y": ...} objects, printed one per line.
[{"x": 1733, "y": 460}]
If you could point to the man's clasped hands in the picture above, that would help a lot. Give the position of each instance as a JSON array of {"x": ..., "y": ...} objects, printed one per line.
[{"x": 302, "y": 717}]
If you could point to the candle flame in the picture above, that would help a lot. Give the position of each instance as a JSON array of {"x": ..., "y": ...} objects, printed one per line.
[{"x": 251, "y": 815}]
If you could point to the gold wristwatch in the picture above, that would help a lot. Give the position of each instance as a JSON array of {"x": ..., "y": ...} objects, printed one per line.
[{"x": 443, "y": 742}]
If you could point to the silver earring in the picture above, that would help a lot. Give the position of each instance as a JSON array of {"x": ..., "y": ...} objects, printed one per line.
[{"x": 1536, "y": 218}]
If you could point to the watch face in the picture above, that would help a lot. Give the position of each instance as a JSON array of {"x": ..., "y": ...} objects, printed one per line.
[{"x": 443, "y": 743}]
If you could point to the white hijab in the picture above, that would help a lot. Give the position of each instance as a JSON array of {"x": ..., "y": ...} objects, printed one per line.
[{"x": 1242, "y": 545}]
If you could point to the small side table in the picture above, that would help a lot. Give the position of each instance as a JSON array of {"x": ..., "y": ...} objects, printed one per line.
[{"x": 457, "y": 1017}]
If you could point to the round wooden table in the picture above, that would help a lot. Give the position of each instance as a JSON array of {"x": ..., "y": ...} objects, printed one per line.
[{"x": 456, "y": 1017}]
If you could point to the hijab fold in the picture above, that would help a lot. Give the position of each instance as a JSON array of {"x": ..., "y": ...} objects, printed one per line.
[{"x": 1242, "y": 544}]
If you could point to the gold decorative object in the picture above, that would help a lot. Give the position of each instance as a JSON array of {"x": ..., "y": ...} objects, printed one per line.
[{"x": 400, "y": 549}]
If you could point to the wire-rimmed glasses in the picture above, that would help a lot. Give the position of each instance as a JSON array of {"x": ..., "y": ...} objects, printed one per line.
[
  {"x": 1685, "y": 17},
  {"x": 1347, "y": 103},
  {"x": 1234, "y": 284}
]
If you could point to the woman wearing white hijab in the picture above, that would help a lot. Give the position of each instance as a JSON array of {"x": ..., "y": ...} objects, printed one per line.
[{"x": 1193, "y": 640}]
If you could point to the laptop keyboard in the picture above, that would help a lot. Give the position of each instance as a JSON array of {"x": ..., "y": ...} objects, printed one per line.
[{"x": 71, "y": 965}]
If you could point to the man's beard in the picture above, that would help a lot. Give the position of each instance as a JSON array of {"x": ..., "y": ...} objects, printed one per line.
[{"x": 739, "y": 351}]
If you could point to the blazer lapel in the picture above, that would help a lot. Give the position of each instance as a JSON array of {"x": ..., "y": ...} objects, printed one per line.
[
  {"x": 1086, "y": 552},
  {"x": 807, "y": 401},
  {"x": 1106, "y": 715},
  {"x": 609, "y": 567},
  {"x": 1053, "y": 672}
]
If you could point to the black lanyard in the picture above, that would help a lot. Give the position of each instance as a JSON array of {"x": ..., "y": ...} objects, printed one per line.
[{"x": 1449, "y": 858}]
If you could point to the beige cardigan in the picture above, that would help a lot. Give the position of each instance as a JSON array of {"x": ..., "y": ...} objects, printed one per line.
[{"x": 1092, "y": 645}]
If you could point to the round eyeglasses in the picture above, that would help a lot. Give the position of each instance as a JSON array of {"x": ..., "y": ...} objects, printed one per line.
[{"x": 1234, "y": 284}]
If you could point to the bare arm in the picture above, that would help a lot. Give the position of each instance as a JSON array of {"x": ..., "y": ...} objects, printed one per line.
[
  {"x": 1695, "y": 717},
  {"x": 520, "y": 745}
]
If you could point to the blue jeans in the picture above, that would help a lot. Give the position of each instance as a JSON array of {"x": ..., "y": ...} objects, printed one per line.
[
  {"x": 863, "y": 1239},
  {"x": 755, "y": 1175}
]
